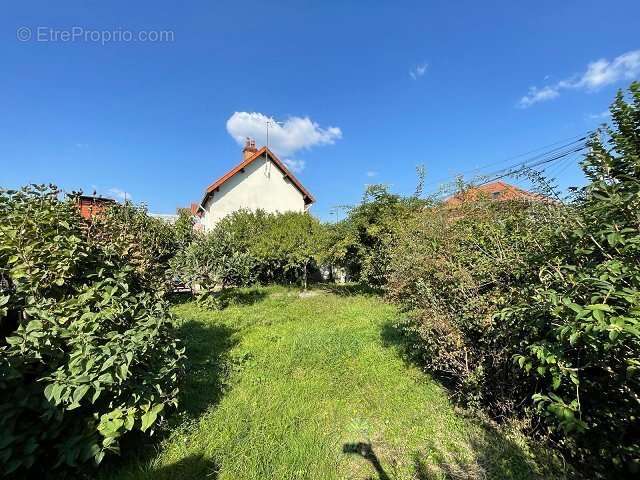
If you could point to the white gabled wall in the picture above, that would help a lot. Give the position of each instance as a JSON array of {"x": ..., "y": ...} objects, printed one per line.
[{"x": 261, "y": 186}]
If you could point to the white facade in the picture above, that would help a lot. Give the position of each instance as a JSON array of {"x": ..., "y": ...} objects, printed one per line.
[{"x": 262, "y": 185}]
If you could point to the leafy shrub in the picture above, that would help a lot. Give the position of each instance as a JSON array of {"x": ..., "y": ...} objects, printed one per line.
[
  {"x": 88, "y": 350},
  {"x": 147, "y": 243},
  {"x": 361, "y": 242},
  {"x": 289, "y": 247},
  {"x": 246, "y": 247},
  {"x": 451, "y": 269},
  {"x": 582, "y": 309},
  {"x": 214, "y": 261},
  {"x": 534, "y": 308}
]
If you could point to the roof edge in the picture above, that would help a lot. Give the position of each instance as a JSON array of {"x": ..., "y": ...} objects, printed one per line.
[{"x": 308, "y": 198}]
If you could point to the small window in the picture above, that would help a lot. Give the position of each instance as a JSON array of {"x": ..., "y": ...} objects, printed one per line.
[{"x": 496, "y": 194}]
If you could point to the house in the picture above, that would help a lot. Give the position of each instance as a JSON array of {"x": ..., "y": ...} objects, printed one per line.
[
  {"x": 259, "y": 181},
  {"x": 497, "y": 190},
  {"x": 90, "y": 205}
]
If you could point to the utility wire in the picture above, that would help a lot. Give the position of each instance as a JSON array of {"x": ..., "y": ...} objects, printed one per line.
[
  {"x": 543, "y": 154},
  {"x": 533, "y": 165},
  {"x": 547, "y": 158}
]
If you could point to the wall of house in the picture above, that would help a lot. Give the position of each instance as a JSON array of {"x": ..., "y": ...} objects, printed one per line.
[{"x": 261, "y": 186}]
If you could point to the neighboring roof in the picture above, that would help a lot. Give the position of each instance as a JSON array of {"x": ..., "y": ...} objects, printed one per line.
[
  {"x": 308, "y": 198},
  {"x": 495, "y": 190},
  {"x": 93, "y": 198}
]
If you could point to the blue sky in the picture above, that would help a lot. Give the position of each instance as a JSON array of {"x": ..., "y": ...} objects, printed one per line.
[{"x": 365, "y": 91}]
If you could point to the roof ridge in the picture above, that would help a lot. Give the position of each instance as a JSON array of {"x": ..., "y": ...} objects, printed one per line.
[{"x": 245, "y": 162}]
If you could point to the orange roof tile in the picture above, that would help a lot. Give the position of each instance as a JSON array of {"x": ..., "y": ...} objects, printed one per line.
[{"x": 498, "y": 190}]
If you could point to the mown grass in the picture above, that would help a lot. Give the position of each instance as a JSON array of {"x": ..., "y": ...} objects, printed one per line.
[{"x": 288, "y": 387}]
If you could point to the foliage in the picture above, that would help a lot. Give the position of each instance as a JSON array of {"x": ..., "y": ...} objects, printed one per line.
[
  {"x": 533, "y": 308},
  {"x": 183, "y": 229},
  {"x": 451, "y": 269},
  {"x": 361, "y": 242},
  {"x": 147, "y": 243},
  {"x": 87, "y": 351},
  {"x": 214, "y": 261},
  {"x": 246, "y": 247},
  {"x": 288, "y": 247},
  {"x": 582, "y": 310}
]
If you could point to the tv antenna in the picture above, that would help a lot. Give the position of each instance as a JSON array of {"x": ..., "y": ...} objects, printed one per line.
[{"x": 270, "y": 122}]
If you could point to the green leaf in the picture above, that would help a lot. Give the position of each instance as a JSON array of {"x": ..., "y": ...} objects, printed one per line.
[
  {"x": 598, "y": 315},
  {"x": 600, "y": 306},
  {"x": 48, "y": 392},
  {"x": 573, "y": 338},
  {"x": 148, "y": 419},
  {"x": 150, "y": 416},
  {"x": 80, "y": 392}
]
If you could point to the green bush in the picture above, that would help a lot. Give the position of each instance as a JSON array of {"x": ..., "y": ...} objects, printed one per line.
[
  {"x": 247, "y": 247},
  {"x": 288, "y": 248},
  {"x": 87, "y": 351},
  {"x": 360, "y": 243},
  {"x": 214, "y": 261},
  {"x": 146, "y": 243},
  {"x": 450, "y": 269},
  {"x": 582, "y": 309},
  {"x": 533, "y": 308}
]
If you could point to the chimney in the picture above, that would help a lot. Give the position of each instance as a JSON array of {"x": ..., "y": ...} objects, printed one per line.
[{"x": 249, "y": 148}]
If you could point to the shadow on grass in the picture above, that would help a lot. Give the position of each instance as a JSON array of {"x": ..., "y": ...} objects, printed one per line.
[
  {"x": 348, "y": 289},
  {"x": 206, "y": 346},
  {"x": 242, "y": 296},
  {"x": 495, "y": 455},
  {"x": 365, "y": 450},
  {"x": 195, "y": 467},
  {"x": 178, "y": 298},
  {"x": 488, "y": 455},
  {"x": 203, "y": 387}
]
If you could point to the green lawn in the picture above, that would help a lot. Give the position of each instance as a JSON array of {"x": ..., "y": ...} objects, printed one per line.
[{"x": 314, "y": 387}]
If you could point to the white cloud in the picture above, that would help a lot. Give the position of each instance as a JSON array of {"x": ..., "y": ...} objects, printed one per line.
[
  {"x": 599, "y": 116},
  {"x": 372, "y": 173},
  {"x": 82, "y": 145},
  {"x": 598, "y": 74},
  {"x": 294, "y": 165},
  {"x": 603, "y": 72},
  {"x": 536, "y": 95},
  {"x": 119, "y": 194},
  {"x": 418, "y": 71},
  {"x": 285, "y": 138}
]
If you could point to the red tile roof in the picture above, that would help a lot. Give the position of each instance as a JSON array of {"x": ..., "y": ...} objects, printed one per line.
[
  {"x": 308, "y": 198},
  {"x": 495, "y": 190}
]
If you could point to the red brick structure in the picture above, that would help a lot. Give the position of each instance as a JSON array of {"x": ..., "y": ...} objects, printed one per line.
[{"x": 90, "y": 206}]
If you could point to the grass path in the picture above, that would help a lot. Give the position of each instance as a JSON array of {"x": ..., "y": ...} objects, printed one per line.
[{"x": 284, "y": 387}]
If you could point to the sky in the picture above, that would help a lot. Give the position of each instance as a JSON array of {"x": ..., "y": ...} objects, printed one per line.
[{"x": 152, "y": 100}]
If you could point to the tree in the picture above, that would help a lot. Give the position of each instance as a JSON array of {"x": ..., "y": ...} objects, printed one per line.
[{"x": 290, "y": 244}]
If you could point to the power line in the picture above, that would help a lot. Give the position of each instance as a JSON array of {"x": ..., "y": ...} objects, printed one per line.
[
  {"x": 536, "y": 164},
  {"x": 580, "y": 138},
  {"x": 551, "y": 157}
]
